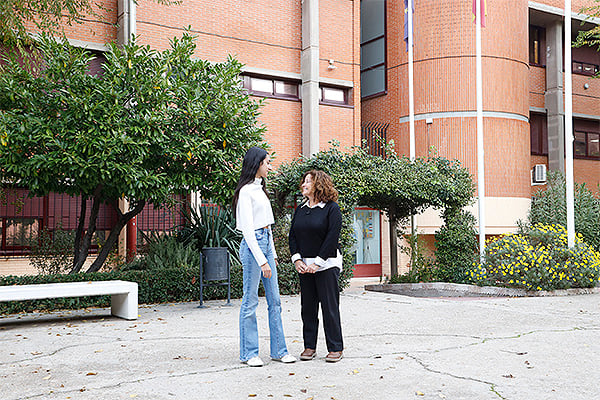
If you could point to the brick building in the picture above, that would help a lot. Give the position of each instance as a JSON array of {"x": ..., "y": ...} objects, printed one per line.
[
  {"x": 522, "y": 61},
  {"x": 337, "y": 70}
]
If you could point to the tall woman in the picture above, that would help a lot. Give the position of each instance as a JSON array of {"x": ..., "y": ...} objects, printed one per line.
[
  {"x": 257, "y": 253},
  {"x": 314, "y": 245}
]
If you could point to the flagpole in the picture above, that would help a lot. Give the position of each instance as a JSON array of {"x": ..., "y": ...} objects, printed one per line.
[
  {"x": 411, "y": 97},
  {"x": 569, "y": 129},
  {"x": 480, "y": 153},
  {"x": 411, "y": 100}
]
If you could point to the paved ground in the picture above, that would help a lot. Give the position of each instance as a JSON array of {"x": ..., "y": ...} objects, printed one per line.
[{"x": 397, "y": 347}]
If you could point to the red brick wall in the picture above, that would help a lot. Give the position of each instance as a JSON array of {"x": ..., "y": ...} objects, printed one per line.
[{"x": 444, "y": 82}]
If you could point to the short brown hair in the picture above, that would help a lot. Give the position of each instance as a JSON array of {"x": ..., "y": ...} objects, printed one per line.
[{"x": 323, "y": 186}]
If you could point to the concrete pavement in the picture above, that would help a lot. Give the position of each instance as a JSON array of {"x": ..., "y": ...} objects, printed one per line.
[{"x": 397, "y": 347}]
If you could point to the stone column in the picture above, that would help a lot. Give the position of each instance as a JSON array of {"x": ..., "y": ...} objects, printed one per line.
[
  {"x": 309, "y": 69},
  {"x": 553, "y": 99}
]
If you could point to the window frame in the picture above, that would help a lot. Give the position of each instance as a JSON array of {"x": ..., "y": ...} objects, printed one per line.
[
  {"x": 247, "y": 85},
  {"x": 384, "y": 64},
  {"x": 542, "y": 42},
  {"x": 345, "y": 91},
  {"x": 587, "y": 155}
]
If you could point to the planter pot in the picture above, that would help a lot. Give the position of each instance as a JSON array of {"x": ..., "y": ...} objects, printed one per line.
[{"x": 215, "y": 267}]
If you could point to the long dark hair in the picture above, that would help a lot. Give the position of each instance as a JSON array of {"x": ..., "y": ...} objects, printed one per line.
[{"x": 254, "y": 156}]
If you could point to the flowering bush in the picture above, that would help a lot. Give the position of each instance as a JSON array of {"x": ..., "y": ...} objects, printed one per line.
[{"x": 538, "y": 260}]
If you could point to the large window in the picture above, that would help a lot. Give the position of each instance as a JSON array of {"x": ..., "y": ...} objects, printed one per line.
[
  {"x": 373, "y": 79},
  {"x": 271, "y": 87}
]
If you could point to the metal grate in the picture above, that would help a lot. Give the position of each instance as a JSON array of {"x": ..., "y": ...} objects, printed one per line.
[{"x": 374, "y": 137}]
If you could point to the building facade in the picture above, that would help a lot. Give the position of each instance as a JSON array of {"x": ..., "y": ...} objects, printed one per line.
[
  {"x": 337, "y": 70},
  {"x": 523, "y": 90},
  {"x": 302, "y": 57}
]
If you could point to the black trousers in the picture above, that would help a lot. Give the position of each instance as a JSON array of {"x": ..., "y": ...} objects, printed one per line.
[{"x": 321, "y": 287}]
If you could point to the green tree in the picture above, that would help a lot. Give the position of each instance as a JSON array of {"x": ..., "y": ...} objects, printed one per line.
[
  {"x": 150, "y": 125},
  {"x": 395, "y": 185},
  {"x": 402, "y": 188}
]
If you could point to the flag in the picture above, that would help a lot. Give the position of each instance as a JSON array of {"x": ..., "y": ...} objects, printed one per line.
[
  {"x": 483, "y": 11},
  {"x": 412, "y": 3}
]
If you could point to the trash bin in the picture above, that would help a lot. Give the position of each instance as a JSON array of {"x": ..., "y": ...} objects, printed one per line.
[{"x": 215, "y": 267}]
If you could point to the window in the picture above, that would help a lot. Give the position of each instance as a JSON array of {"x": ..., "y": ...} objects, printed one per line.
[
  {"x": 332, "y": 95},
  {"x": 538, "y": 129},
  {"x": 271, "y": 87},
  {"x": 586, "y": 145},
  {"x": 373, "y": 79},
  {"x": 18, "y": 232},
  {"x": 585, "y": 68},
  {"x": 367, "y": 233},
  {"x": 537, "y": 39}
]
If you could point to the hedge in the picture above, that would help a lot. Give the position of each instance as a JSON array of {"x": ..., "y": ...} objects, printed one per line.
[{"x": 154, "y": 286}]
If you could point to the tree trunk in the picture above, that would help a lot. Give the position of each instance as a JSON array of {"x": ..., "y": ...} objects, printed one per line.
[
  {"x": 79, "y": 233},
  {"x": 114, "y": 235},
  {"x": 393, "y": 247},
  {"x": 87, "y": 238}
]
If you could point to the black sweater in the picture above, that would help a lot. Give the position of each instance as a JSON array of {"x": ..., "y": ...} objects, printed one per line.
[{"x": 315, "y": 232}]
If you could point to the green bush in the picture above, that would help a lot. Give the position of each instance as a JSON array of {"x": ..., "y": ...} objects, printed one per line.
[
  {"x": 455, "y": 246},
  {"x": 550, "y": 207},
  {"x": 165, "y": 252},
  {"x": 158, "y": 285},
  {"x": 52, "y": 252},
  {"x": 540, "y": 260}
]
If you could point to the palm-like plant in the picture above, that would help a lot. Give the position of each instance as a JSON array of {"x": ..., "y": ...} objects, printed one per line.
[{"x": 211, "y": 226}]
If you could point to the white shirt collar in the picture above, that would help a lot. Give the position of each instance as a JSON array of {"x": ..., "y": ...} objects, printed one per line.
[
  {"x": 320, "y": 204},
  {"x": 258, "y": 181}
]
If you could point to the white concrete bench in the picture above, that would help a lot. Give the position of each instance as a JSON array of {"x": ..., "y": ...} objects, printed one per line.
[{"x": 124, "y": 294}]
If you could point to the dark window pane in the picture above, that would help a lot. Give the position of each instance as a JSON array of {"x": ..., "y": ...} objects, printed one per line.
[
  {"x": 372, "y": 22},
  {"x": 19, "y": 231},
  {"x": 372, "y": 53},
  {"x": 372, "y": 81},
  {"x": 579, "y": 145},
  {"x": 593, "y": 144}
]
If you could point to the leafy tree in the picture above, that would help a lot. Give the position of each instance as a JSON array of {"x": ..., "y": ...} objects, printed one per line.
[
  {"x": 394, "y": 185},
  {"x": 402, "y": 188},
  {"x": 151, "y": 124}
]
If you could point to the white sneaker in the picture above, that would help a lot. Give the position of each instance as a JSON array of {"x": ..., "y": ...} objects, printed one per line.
[
  {"x": 255, "y": 362},
  {"x": 287, "y": 359}
]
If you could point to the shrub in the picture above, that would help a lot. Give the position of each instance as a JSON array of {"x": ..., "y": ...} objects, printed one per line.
[
  {"x": 550, "y": 207},
  {"x": 455, "y": 246},
  {"x": 165, "y": 252},
  {"x": 52, "y": 252},
  {"x": 155, "y": 286},
  {"x": 539, "y": 260}
]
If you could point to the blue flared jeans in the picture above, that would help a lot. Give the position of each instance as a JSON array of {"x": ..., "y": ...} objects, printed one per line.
[{"x": 252, "y": 276}]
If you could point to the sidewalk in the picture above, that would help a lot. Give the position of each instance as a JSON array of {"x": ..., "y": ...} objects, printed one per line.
[{"x": 397, "y": 347}]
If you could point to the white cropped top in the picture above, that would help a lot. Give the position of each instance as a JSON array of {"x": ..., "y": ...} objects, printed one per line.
[{"x": 253, "y": 211}]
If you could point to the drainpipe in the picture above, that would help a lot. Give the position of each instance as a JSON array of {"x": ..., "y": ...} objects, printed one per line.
[{"x": 125, "y": 31}]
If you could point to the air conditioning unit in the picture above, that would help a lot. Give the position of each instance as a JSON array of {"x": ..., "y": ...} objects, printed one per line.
[{"x": 538, "y": 174}]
